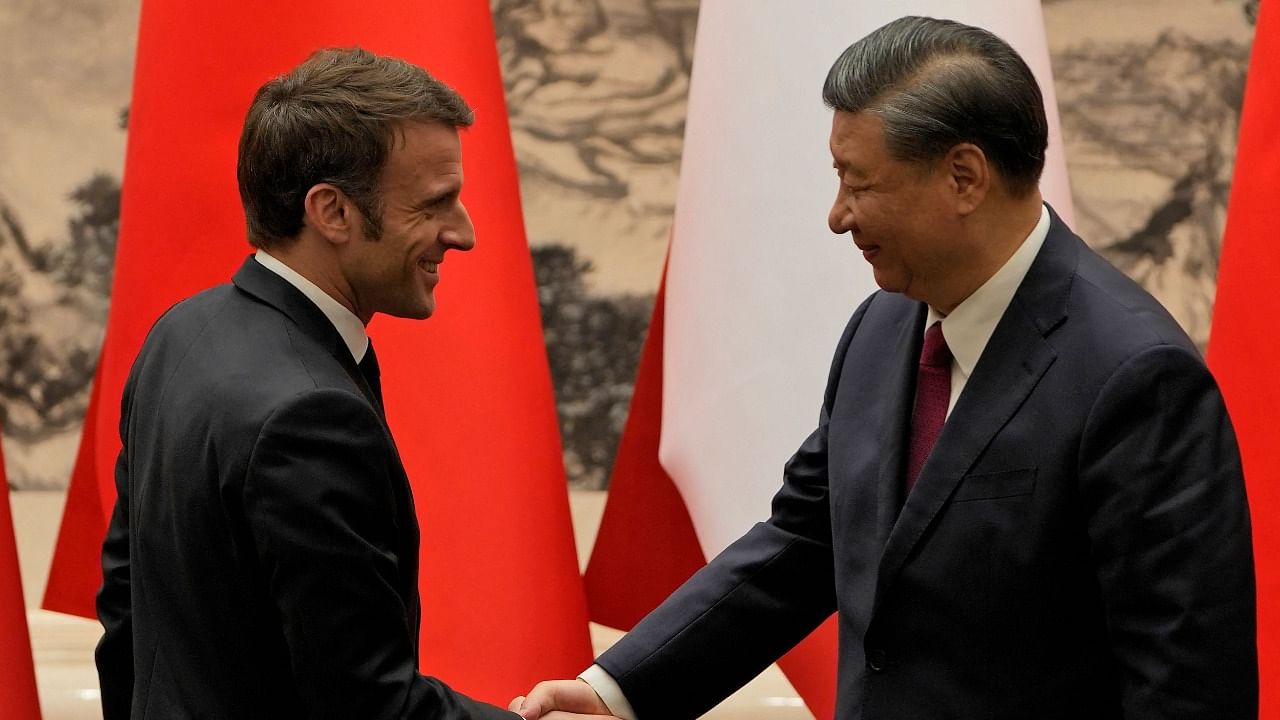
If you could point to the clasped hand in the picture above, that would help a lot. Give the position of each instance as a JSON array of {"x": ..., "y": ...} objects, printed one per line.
[{"x": 561, "y": 700}]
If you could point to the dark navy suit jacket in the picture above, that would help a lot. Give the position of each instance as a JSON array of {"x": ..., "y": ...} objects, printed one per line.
[
  {"x": 1076, "y": 546},
  {"x": 262, "y": 558}
]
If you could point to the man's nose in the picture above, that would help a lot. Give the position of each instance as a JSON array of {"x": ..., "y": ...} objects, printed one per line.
[
  {"x": 840, "y": 219},
  {"x": 462, "y": 235}
]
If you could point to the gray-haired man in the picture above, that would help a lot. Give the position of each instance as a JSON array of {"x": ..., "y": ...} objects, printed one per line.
[{"x": 1023, "y": 498}]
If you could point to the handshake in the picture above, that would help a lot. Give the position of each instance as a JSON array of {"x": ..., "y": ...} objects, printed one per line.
[{"x": 561, "y": 700}]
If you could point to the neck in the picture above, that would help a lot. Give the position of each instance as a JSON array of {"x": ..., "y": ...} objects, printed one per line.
[
  {"x": 994, "y": 233},
  {"x": 307, "y": 258}
]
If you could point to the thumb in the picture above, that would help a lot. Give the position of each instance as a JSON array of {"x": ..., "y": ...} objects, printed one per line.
[{"x": 526, "y": 708}]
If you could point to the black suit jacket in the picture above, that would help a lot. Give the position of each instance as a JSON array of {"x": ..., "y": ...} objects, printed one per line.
[
  {"x": 1076, "y": 546},
  {"x": 262, "y": 558}
]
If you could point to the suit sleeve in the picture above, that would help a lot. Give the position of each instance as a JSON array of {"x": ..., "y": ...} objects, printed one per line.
[
  {"x": 749, "y": 605},
  {"x": 1163, "y": 490},
  {"x": 114, "y": 653},
  {"x": 319, "y": 502}
]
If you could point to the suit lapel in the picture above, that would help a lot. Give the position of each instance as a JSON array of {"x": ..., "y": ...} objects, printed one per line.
[
  {"x": 895, "y": 435},
  {"x": 1014, "y": 360}
]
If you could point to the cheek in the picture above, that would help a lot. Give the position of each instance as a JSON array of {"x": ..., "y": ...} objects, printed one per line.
[{"x": 421, "y": 235}]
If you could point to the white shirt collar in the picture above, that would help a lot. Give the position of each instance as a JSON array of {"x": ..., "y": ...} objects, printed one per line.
[
  {"x": 968, "y": 328},
  {"x": 344, "y": 321}
]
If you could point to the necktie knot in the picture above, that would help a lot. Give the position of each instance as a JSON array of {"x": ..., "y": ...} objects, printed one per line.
[{"x": 935, "y": 352}]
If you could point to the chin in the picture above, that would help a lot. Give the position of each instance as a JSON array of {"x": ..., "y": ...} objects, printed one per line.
[
  {"x": 889, "y": 284},
  {"x": 422, "y": 306},
  {"x": 415, "y": 312}
]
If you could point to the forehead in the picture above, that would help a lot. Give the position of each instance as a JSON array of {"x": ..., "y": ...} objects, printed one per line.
[{"x": 857, "y": 139}]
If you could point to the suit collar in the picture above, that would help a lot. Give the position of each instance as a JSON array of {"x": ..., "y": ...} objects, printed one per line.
[
  {"x": 1043, "y": 294},
  {"x": 273, "y": 290},
  {"x": 969, "y": 327},
  {"x": 1016, "y": 357},
  {"x": 345, "y": 321}
]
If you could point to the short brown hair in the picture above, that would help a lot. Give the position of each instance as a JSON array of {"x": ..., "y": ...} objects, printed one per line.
[{"x": 331, "y": 120}]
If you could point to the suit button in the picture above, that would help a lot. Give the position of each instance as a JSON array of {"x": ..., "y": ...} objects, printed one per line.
[{"x": 877, "y": 660}]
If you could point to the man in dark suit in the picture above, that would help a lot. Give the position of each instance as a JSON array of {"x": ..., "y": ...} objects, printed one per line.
[
  {"x": 1023, "y": 498},
  {"x": 262, "y": 558}
]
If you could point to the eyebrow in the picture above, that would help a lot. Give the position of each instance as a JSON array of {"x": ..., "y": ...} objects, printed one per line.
[
  {"x": 846, "y": 168},
  {"x": 437, "y": 197}
]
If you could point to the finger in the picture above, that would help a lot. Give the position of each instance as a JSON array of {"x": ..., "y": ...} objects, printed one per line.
[
  {"x": 569, "y": 695},
  {"x": 525, "y": 708},
  {"x": 559, "y": 715}
]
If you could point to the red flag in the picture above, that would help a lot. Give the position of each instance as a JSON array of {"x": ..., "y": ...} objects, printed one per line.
[
  {"x": 18, "y": 681},
  {"x": 753, "y": 302},
  {"x": 468, "y": 392},
  {"x": 77, "y": 570},
  {"x": 1243, "y": 347}
]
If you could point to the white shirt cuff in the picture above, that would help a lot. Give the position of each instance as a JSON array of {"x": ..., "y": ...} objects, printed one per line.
[{"x": 607, "y": 688}]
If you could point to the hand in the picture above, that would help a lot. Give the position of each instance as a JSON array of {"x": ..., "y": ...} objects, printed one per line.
[{"x": 561, "y": 700}]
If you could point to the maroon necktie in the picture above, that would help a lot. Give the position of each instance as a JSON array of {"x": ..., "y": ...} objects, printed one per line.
[{"x": 933, "y": 392}]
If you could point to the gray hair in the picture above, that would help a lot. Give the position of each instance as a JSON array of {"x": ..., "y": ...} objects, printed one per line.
[
  {"x": 939, "y": 83},
  {"x": 332, "y": 120}
]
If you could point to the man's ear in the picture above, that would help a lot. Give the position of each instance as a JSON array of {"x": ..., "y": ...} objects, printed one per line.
[
  {"x": 329, "y": 212},
  {"x": 968, "y": 175}
]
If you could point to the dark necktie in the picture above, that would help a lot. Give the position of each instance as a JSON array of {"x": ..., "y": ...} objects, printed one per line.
[
  {"x": 933, "y": 393},
  {"x": 369, "y": 368}
]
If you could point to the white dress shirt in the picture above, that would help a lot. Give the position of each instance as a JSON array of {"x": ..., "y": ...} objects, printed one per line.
[
  {"x": 966, "y": 330},
  {"x": 344, "y": 321}
]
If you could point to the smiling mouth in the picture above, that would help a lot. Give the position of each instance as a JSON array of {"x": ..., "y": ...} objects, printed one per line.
[{"x": 429, "y": 266}]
